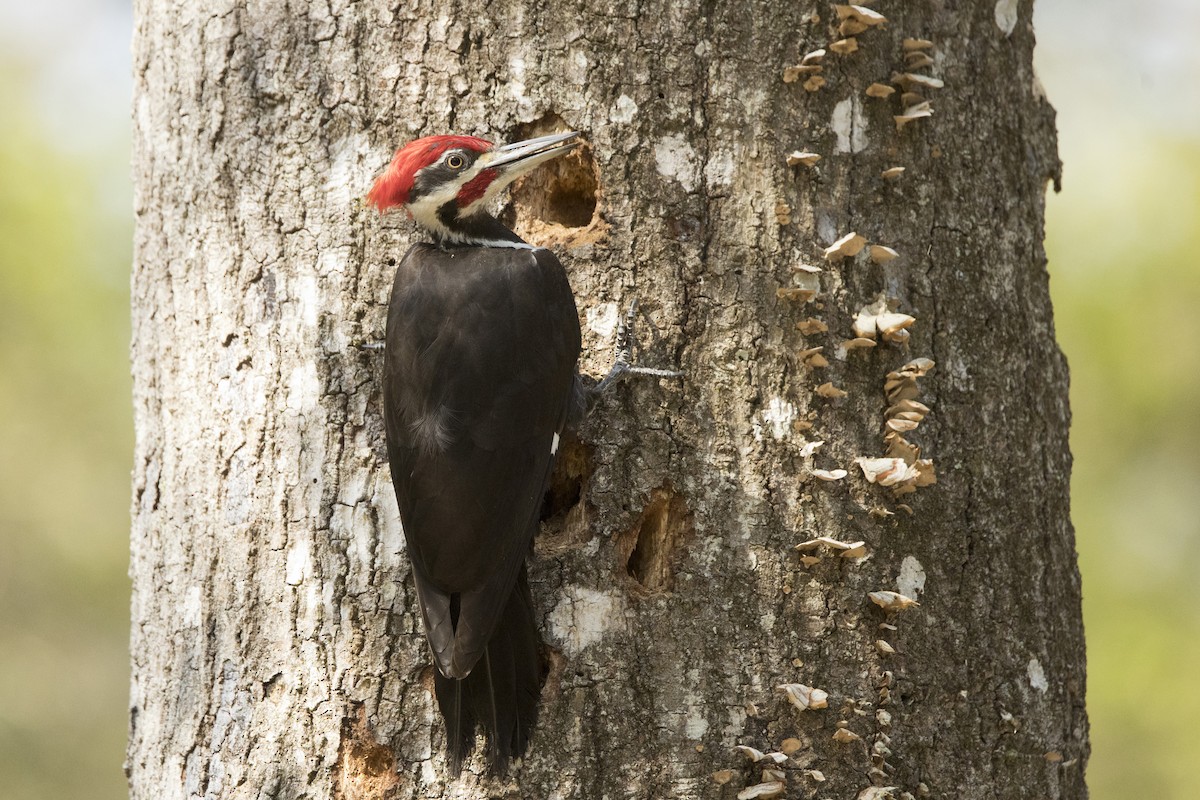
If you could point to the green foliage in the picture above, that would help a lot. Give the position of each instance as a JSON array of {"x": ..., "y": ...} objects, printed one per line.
[
  {"x": 65, "y": 436},
  {"x": 1123, "y": 243}
]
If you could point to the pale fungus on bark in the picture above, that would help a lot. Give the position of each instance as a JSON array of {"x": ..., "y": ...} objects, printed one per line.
[
  {"x": 886, "y": 471},
  {"x": 866, "y": 16},
  {"x": 792, "y": 74},
  {"x": 806, "y": 268},
  {"x": 813, "y": 57},
  {"x": 722, "y": 776},
  {"x": 811, "y": 326},
  {"x": 755, "y": 755},
  {"x": 773, "y": 775},
  {"x": 814, "y": 83},
  {"x": 876, "y": 793},
  {"x": 880, "y": 90},
  {"x": 762, "y": 790},
  {"x": 828, "y": 390},
  {"x": 892, "y": 173},
  {"x": 916, "y": 44},
  {"x": 845, "y": 736},
  {"x": 884, "y": 648},
  {"x": 845, "y": 46},
  {"x": 791, "y": 746},
  {"x": 912, "y": 113},
  {"x": 917, "y": 60},
  {"x": 795, "y": 294},
  {"x": 892, "y": 601},
  {"x": 803, "y": 158},
  {"x": 809, "y": 448},
  {"x": 804, "y": 697},
  {"x": 829, "y": 474},
  {"x": 857, "y": 343},
  {"x": 908, "y": 80},
  {"x": 848, "y": 246},
  {"x": 882, "y": 254}
]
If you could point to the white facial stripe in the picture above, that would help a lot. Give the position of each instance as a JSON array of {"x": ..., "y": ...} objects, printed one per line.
[{"x": 554, "y": 445}]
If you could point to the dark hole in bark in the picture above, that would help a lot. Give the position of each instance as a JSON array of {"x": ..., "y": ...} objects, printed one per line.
[
  {"x": 649, "y": 551},
  {"x": 564, "y": 506},
  {"x": 365, "y": 767},
  {"x": 558, "y": 201}
]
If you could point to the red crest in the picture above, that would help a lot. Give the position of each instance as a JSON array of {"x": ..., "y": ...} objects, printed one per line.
[{"x": 393, "y": 186}]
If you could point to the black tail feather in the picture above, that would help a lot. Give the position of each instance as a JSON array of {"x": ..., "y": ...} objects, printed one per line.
[{"x": 501, "y": 693}]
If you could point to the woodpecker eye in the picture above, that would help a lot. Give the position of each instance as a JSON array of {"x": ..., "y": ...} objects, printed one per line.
[{"x": 456, "y": 161}]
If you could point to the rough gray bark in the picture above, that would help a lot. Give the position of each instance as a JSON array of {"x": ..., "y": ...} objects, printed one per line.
[{"x": 276, "y": 651}]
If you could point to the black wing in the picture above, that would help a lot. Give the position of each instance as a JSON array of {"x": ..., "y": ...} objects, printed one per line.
[{"x": 481, "y": 353}]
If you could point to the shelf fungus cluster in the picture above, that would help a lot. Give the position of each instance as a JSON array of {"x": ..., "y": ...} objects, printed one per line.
[
  {"x": 878, "y": 321},
  {"x": 914, "y": 85},
  {"x": 902, "y": 469},
  {"x": 810, "y": 548},
  {"x": 810, "y": 69}
]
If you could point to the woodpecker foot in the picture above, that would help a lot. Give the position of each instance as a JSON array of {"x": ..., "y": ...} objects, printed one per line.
[{"x": 623, "y": 356}]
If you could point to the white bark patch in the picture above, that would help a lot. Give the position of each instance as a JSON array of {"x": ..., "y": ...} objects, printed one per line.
[
  {"x": 1006, "y": 16},
  {"x": 577, "y": 68},
  {"x": 298, "y": 563},
  {"x": 675, "y": 158},
  {"x": 777, "y": 418},
  {"x": 304, "y": 388},
  {"x": 911, "y": 581},
  {"x": 1037, "y": 676},
  {"x": 695, "y": 725},
  {"x": 718, "y": 172},
  {"x": 602, "y": 319},
  {"x": 345, "y": 178},
  {"x": 624, "y": 110},
  {"x": 849, "y": 125},
  {"x": 584, "y": 616},
  {"x": 192, "y": 608}
]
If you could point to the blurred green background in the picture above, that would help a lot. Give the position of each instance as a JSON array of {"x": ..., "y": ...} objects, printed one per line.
[{"x": 1124, "y": 245}]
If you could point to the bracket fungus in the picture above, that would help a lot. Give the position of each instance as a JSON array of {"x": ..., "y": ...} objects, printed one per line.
[
  {"x": 844, "y": 47},
  {"x": 891, "y": 173},
  {"x": 811, "y": 326},
  {"x": 848, "y": 246},
  {"x": 892, "y": 601},
  {"x": 830, "y": 391},
  {"x": 802, "y": 158},
  {"x": 829, "y": 474},
  {"x": 763, "y": 790},
  {"x": 804, "y": 697},
  {"x": 880, "y": 90}
]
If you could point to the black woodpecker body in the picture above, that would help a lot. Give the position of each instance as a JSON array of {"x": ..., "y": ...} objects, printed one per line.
[{"x": 480, "y": 376}]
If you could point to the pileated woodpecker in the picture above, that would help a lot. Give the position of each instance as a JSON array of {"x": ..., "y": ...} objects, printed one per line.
[{"x": 480, "y": 377}]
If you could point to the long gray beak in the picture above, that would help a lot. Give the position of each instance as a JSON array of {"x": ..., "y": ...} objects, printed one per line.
[{"x": 519, "y": 157}]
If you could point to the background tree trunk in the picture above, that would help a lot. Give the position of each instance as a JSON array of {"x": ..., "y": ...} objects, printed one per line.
[{"x": 276, "y": 648}]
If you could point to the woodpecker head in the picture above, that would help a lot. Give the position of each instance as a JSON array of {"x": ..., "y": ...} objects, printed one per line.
[{"x": 445, "y": 181}]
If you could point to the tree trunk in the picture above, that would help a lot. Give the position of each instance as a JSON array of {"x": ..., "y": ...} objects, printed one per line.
[{"x": 277, "y": 650}]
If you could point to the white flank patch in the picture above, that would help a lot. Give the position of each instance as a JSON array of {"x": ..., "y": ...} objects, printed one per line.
[
  {"x": 675, "y": 158},
  {"x": 1037, "y": 676},
  {"x": 583, "y": 617},
  {"x": 1006, "y": 16},
  {"x": 777, "y": 417},
  {"x": 912, "y": 578},
  {"x": 554, "y": 445},
  {"x": 850, "y": 126},
  {"x": 624, "y": 110}
]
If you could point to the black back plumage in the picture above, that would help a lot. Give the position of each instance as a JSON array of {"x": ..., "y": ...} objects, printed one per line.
[{"x": 480, "y": 360}]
